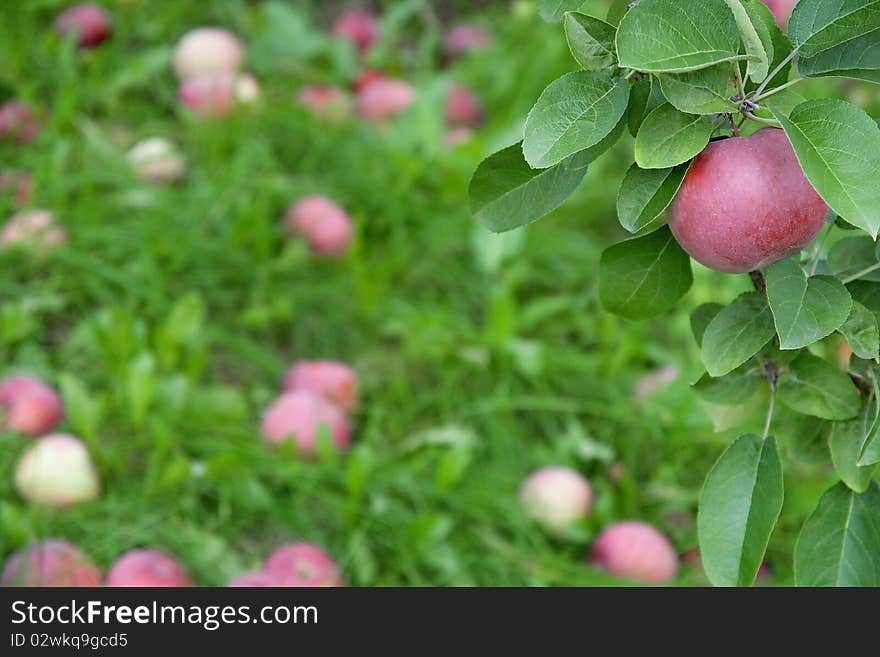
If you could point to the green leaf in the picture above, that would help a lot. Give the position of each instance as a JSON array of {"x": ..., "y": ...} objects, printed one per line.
[
  {"x": 644, "y": 277},
  {"x": 805, "y": 309},
  {"x": 819, "y": 25},
  {"x": 848, "y": 440},
  {"x": 813, "y": 386},
  {"x": 575, "y": 112},
  {"x": 839, "y": 544},
  {"x": 669, "y": 137},
  {"x": 739, "y": 507},
  {"x": 553, "y": 11},
  {"x": 659, "y": 36},
  {"x": 729, "y": 390},
  {"x": 756, "y": 39},
  {"x": 866, "y": 293},
  {"x": 861, "y": 332},
  {"x": 645, "y": 193},
  {"x": 700, "y": 318},
  {"x": 617, "y": 10},
  {"x": 728, "y": 416},
  {"x": 707, "y": 91},
  {"x": 838, "y": 147},
  {"x": 852, "y": 255},
  {"x": 644, "y": 98},
  {"x": 781, "y": 46},
  {"x": 506, "y": 193},
  {"x": 591, "y": 41},
  {"x": 737, "y": 333},
  {"x": 859, "y": 58}
]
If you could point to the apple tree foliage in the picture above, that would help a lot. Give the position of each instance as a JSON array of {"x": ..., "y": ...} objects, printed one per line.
[{"x": 677, "y": 75}]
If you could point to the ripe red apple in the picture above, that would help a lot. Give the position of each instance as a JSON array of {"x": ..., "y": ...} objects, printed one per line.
[
  {"x": 463, "y": 108},
  {"x": 208, "y": 95},
  {"x": 322, "y": 223},
  {"x": 465, "y": 38},
  {"x": 28, "y": 406},
  {"x": 157, "y": 160},
  {"x": 52, "y": 562},
  {"x": 254, "y": 580},
  {"x": 781, "y": 10},
  {"x": 17, "y": 123},
  {"x": 32, "y": 228},
  {"x": 302, "y": 564},
  {"x": 333, "y": 380},
  {"x": 208, "y": 51},
  {"x": 358, "y": 26},
  {"x": 17, "y": 184},
  {"x": 745, "y": 203},
  {"x": 147, "y": 568},
  {"x": 556, "y": 497},
  {"x": 57, "y": 470},
  {"x": 383, "y": 99},
  {"x": 298, "y": 415},
  {"x": 325, "y": 102},
  {"x": 90, "y": 22},
  {"x": 635, "y": 550}
]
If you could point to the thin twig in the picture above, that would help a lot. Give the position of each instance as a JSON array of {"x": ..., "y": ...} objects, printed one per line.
[
  {"x": 771, "y": 122},
  {"x": 769, "y": 419},
  {"x": 776, "y": 90},
  {"x": 819, "y": 246},
  {"x": 864, "y": 272},
  {"x": 775, "y": 71}
]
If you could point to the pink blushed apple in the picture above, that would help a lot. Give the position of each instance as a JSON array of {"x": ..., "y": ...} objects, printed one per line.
[
  {"x": 17, "y": 123},
  {"x": 333, "y": 380},
  {"x": 28, "y": 406},
  {"x": 52, "y": 562},
  {"x": 147, "y": 568},
  {"x": 90, "y": 23},
  {"x": 383, "y": 99},
  {"x": 463, "y": 39},
  {"x": 302, "y": 564},
  {"x": 325, "y": 225},
  {"x": 358, "y": 26},
  {"x": 208, "y": 51},
  {"x": 298, "y": 415},
  {"x": 463, "y": 108},
  {"x": 635, "y": 550}
]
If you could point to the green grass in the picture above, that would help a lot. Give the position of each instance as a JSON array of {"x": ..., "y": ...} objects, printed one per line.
[{"x": 169, "y": 317}]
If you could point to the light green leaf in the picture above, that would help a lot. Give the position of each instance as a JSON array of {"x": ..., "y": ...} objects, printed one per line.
[
  {"x": 756, "y": 43},
  {"x": 813, "y": 386},
  {"x": 644, "y": 277},
  {"x": 700, "y": 318},
  {"x": 669, "y": 137},
  {"x": 739, "y": 507},
  {"x": 553, "y": 11},
  {"x": 737, "y": 333},
  {"x": 805, "y": 310},
  {"x": 659, "y": 36},
  {"x": 645, "y": 193},
  {"x": 839, "y": 544},
  {"x": 506, "y": 193},
  {"x": 819, "y": 25},
  {"x": 861, "y": 332},
  {"x": 707, "y": 91},
  {"x": 859, "y": 58},
  {"x": 591, "y": 41},
  {"x": 729, "y": 390},
  {"x": 574, "y": 113},
  {"x": 848, "y": 440},
  {"x": 728, "y": 416},
  {"x": 838, "y": 147}
]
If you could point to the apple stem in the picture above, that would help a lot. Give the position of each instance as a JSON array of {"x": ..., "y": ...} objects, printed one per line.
[
  {"x": 769, "y": 419},
  {"x": 776, "y": 90},
  {"x": 774, "y": 72},
  {"x": 631, "y": 73}
]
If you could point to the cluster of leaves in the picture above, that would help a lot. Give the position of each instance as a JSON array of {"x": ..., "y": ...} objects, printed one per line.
[{"x": 678, "y": 75}]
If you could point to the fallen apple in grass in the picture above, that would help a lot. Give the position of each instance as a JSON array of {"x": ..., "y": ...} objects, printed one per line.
[
  {"x": 89, "y": 21},
  {"x": 32, "y": 228},
  {"x": 463, "y": 39},
  {"x": 463, "y": 108},
  {"x": 208, "y": 95},
  {"x": 556, "y": 496},
  {"x": 157, "y": 160},
  {"x": 208, "y": 51},
  {"x": 383, "y": 99},
  {"x": 147, "y": 568},
  {"x": 246, "y": 88},
  {"x": 302, "y": 564},
  {"x": 57, "y": 471},
  {"x": 745, "y": 203},
  {"x": 322, "y": 223},
  {"x": 635, "y": 550},
  {"x": 298, "y": 415},
  {"x": 17, "y": 123},
  {"x": 325, "y": 102},
  {"x": 52, "y": 562},
  {"x": 18, "y": 184},
  {"x": 358, "y": 26},
  {"x": 28, "y": 406},
  {"x": 334, "y": 381}
]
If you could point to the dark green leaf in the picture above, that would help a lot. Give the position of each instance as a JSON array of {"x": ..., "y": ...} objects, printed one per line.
[
  {"x": 852, "y": 255},
  {"x": 813, "y": 386},
  {"x": 645, "y": 193},
  {"x": 848, "y": 440},
  {"x": 737, "y": 333},
  {"x": 730, "y": 390},
  {"x": 700, "y": 318}
]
